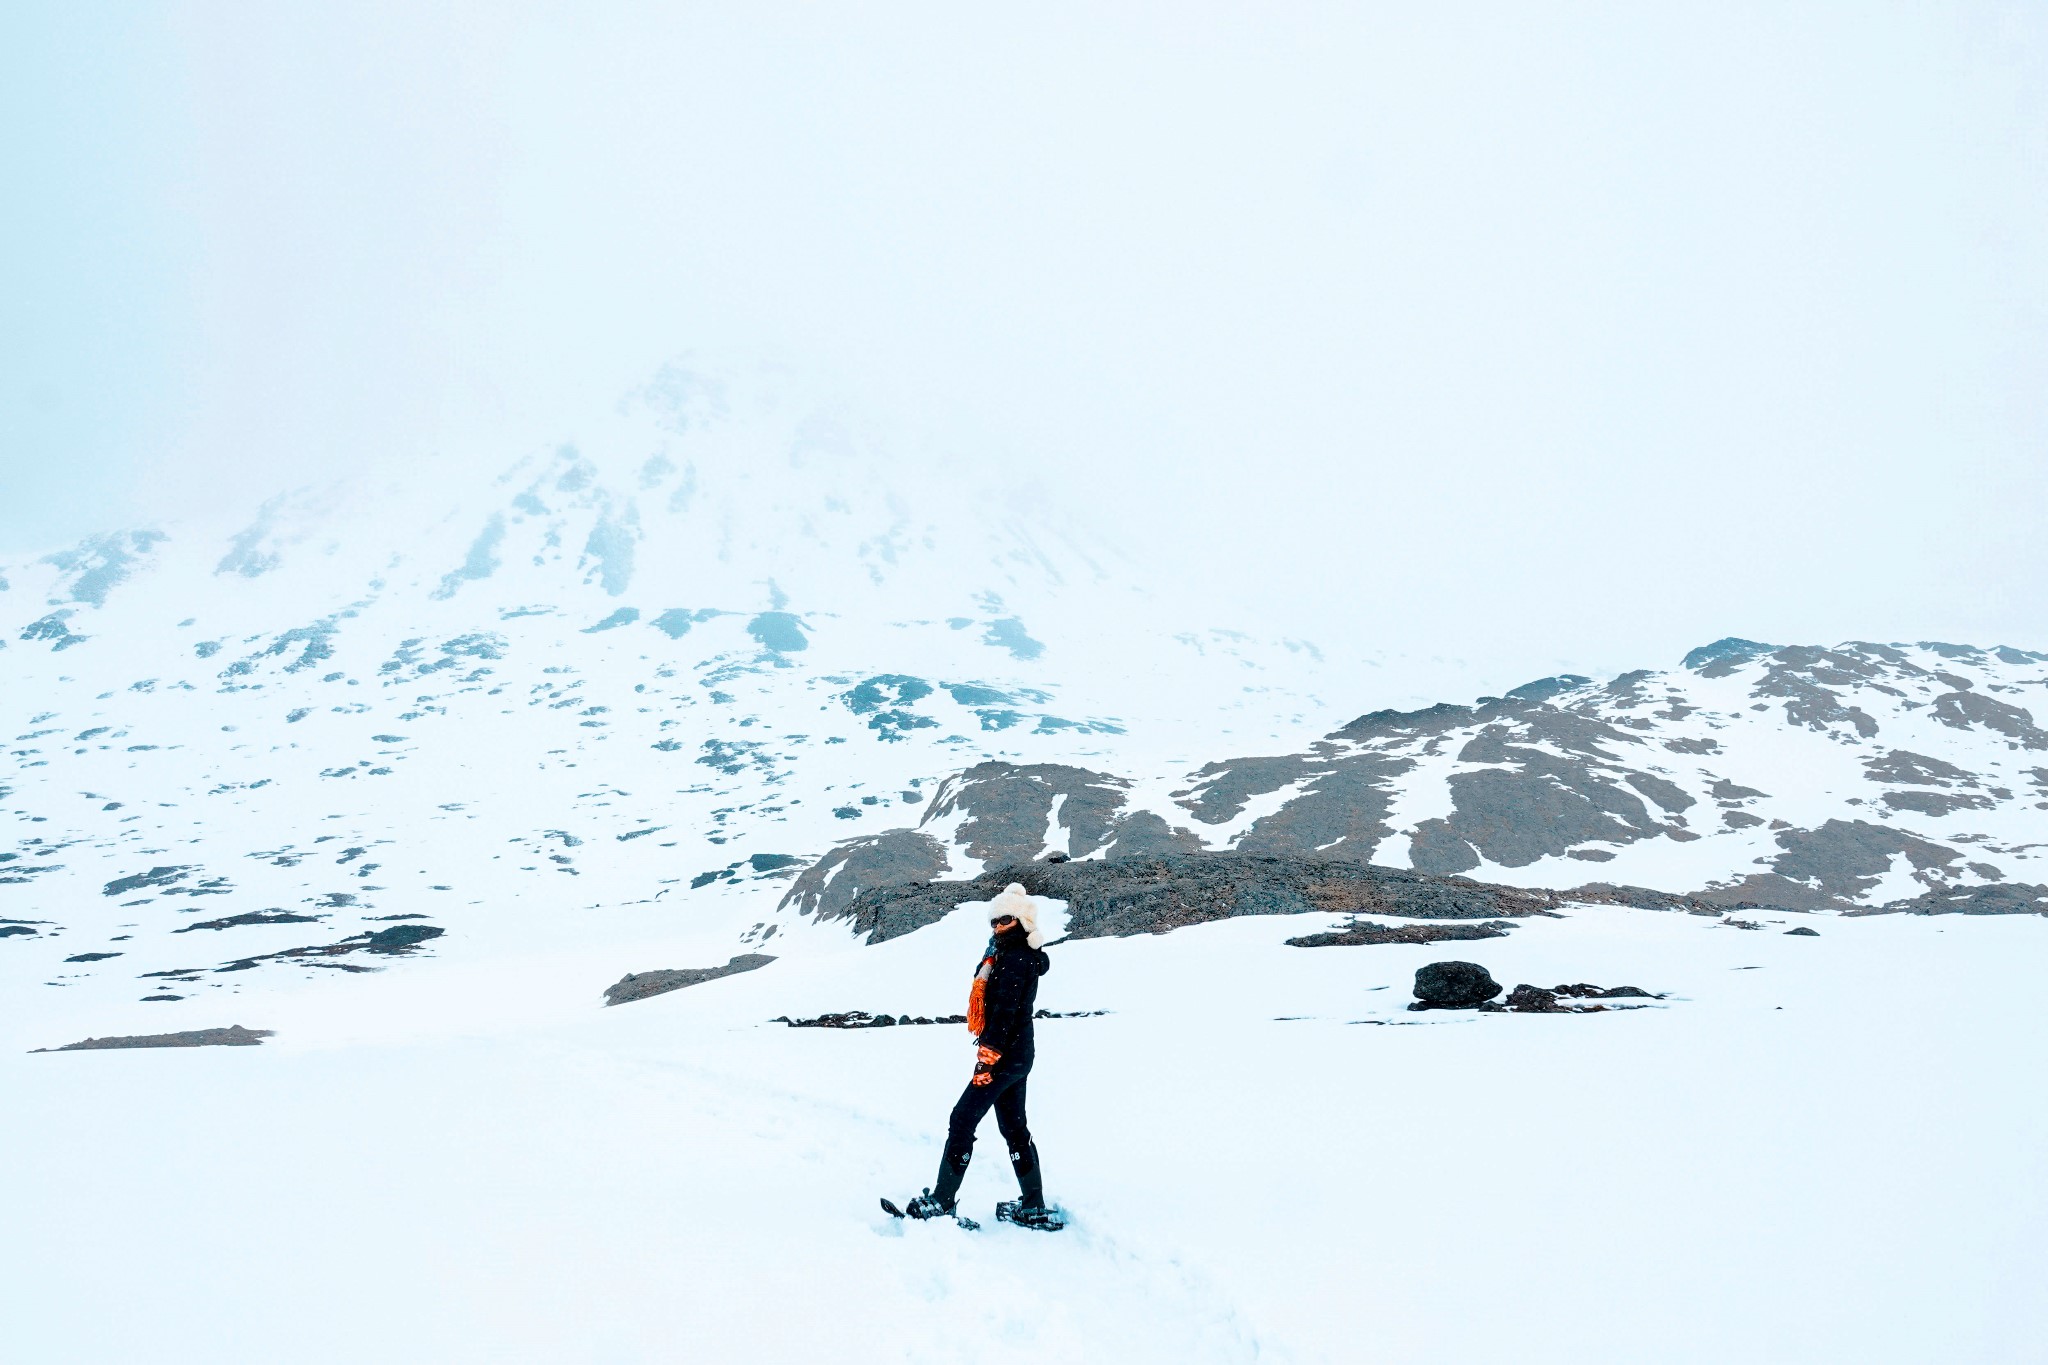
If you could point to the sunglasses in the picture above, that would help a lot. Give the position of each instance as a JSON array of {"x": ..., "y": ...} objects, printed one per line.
[{"x": 1000, "y": 920}]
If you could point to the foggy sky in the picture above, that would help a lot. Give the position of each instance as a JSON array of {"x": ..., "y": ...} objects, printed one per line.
[{"x": 1586, "y": 332}]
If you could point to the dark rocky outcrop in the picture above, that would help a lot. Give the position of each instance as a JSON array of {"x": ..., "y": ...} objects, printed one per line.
[
  {"x": 1453, "y": 986},
  {"x": 1919, "y": 770},
  {"x": 640, "y": 985},
  {"x": 1114, "y": 897},
  {"x": 897, "y": 857},
  {"x": 1338, "y": 811},
  {"x": 233, "y": 1036},
  {"x": 1972, "y": 710},
  {"x": 862, "y": 1019},
  {"x": 1828, "y": 867},
  {"x": 2001, "y": 898},
  {"x": 1007, "y": 808},
  {"x": 1583, "y": 991},
  {"x": 1364, "y": 932},
  {"x": 398, "y": 940},
  {"x": 257, "y": 917},
  {"x": 1803, "y": 932},
  {"x": 1527, "y": 999}
]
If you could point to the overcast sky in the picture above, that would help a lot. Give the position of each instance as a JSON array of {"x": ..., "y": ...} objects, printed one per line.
[{"x": 1610, "y": 327}]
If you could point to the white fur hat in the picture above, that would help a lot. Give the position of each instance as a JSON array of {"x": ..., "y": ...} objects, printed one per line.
[{"x": 1015, "y": 900}]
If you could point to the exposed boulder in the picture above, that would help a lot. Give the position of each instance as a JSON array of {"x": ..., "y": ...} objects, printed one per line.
[
  {"x": 1803, "y": 932},
  {"x": 640, "y": 985},
  {"x": 1453, "y": 986}
]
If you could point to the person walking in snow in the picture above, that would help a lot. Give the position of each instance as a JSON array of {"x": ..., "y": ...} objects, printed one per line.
[{"x": 999, "y": 1010}]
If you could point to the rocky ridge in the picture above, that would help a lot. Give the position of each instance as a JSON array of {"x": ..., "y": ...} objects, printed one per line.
[{"x": 1861, "y": 779}]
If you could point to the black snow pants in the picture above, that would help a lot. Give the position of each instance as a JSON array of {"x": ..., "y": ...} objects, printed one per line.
[{"x": 1005, "y": 1094}]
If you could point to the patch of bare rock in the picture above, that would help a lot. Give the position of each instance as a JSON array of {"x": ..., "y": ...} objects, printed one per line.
[
  {"x": 1469, "y": 986},
  {"x": 640, "y": 985},
  {"x": 233, "y": 1036},
  {"x": 1364, "y": 932},
  {"x": 862, "y": 1019}
]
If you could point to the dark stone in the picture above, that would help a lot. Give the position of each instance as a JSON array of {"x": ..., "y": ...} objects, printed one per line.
[
  {"x": 1527, "y": 999},
  {"x": 1803, "y": 932},
  {"x": 1056, "y": 857},
  {"x": 1453, "y": 986},
  {"x": 640, "y": 985},
  {"x": 90, "y": 957},
  {"x": 1585, "y": 992},
  {"x": 848, "y": 1019}
]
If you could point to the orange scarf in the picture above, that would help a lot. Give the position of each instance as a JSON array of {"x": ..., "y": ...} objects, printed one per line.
[{"x": 977, "y": 994}]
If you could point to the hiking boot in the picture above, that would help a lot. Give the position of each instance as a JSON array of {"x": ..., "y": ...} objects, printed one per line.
[
  {"x": 1038, "y": 1217},
  {"x": 929, "y": 1205}
]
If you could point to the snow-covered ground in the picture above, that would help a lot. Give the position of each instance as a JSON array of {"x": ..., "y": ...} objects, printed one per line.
[{"x": 1815, "y": 1149}]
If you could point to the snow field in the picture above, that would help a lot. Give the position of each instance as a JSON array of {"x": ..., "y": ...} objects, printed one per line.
[{"x": 1816, "y": 1150}]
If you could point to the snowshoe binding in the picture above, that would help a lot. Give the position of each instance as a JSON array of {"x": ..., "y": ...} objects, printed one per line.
[
  {"x": 1038, "y": 1217},
  {"x": 928, "y": 1205}
]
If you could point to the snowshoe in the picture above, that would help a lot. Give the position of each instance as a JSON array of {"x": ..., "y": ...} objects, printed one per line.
[
  {"x": 1038, "y": 1217},
  {"x": 927, "y": 1205}
]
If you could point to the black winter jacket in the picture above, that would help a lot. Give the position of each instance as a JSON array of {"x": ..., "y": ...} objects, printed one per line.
[{"x": 1012, "y": 995}]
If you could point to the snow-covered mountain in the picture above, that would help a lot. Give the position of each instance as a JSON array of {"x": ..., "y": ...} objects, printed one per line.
[
  {"x": 419, "y": 771},
  {"x": 704, "y": 678},
  {"x": 632, "y": 680}
]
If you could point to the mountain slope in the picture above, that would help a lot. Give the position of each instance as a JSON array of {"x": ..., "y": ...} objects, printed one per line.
[{"x": 1862, "y": 777}]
